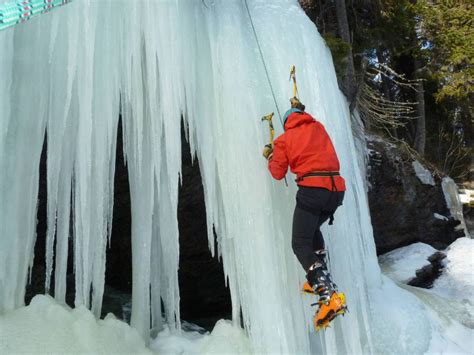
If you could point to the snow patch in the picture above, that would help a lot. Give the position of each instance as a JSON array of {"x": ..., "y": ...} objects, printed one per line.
[
  {"x": 457, "y": 279},
  {"x": 225, "y": 338},
  {"x": 375, "y": 138},
  {"x": 423, "y": 174},
  {"x": 448, "y": 306},
  {"x": 466, "y": 196},
  {"x": 440, "y": 216},
  {"x": 401, "y": 264},
  {"x": 48, "y": 327}
]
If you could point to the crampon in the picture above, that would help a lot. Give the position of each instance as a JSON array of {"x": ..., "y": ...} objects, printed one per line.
[{"x": 327, "y": 311}]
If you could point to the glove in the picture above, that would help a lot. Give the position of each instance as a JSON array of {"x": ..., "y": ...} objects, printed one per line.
[{"x": 268, "y": 151}]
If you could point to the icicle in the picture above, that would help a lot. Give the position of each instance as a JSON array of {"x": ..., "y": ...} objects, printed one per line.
[{"x": 156, "y": 62}]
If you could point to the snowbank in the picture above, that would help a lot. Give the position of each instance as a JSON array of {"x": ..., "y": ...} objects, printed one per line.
[
  {"x": 47, "y": 327},
  {"x": 449, "y": 305},
  {"x": 457, "y": 279},
  {"x": 401, "y": 264},
  {"x": 224, "y": 339}
]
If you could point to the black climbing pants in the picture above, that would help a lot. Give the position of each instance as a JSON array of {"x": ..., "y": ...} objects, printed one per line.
[{"x": 314, "y": 206}]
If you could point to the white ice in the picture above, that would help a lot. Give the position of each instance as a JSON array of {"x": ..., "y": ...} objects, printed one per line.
[
  {"x": 69, "y": 74},
  {"x": 422, "y": 173},
  {"x": 454, "y": 204},
  {"x": 440, "y": 217}
]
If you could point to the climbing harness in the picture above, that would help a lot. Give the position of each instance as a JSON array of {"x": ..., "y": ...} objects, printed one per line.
[
  {"x": 19, "y": 11},
  {"x": 320, "y": 174},
  {"x": 330, "y": 174}
]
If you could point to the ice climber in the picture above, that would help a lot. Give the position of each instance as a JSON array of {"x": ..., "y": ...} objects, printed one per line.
[{"x": 306, "y": 148}]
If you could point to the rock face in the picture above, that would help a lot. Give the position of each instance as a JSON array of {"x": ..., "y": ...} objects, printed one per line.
[{"x": 402, "y": 207}]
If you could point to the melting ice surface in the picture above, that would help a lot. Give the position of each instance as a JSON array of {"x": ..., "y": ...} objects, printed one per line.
[{"x": 71, "y": 73}]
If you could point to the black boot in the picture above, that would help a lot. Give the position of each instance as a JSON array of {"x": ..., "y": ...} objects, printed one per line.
[{"x": 319, "y": 278}]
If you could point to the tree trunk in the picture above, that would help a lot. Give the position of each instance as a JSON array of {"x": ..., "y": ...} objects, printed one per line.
[
  {"x": 348, "y": 80},
  {"x": 420, "y": 137}
]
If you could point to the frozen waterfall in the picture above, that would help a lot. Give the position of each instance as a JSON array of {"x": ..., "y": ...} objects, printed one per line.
[{"x": 68, "y": 75}]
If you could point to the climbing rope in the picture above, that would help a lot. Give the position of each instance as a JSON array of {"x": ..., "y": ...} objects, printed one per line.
[
  {"x": 20, "y": 11},
  {"x": 269, "y": 116},
  {"x": 263, "y": 61}
]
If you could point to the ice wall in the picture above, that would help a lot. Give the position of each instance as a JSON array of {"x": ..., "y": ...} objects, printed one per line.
[{"x": 71, "y": 73}]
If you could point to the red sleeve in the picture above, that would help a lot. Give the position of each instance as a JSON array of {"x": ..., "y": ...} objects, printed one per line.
[{"x": 278, "y": 164}]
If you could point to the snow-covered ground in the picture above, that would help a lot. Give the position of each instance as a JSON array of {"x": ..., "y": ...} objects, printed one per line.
[
  {"x": 457, "y": 279},
  {"x": 46, "y": 327},
  {"x": 225, "y": 338},
  {"x": 401, "y": 264},
  {"x": 448, "y": 306},
  {"x": 450, "y": 302}
]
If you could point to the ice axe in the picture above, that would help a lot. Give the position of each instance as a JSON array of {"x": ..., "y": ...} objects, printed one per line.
[
  {"x": 269, "y": 118},
  {"x": 293, "y": 76}
]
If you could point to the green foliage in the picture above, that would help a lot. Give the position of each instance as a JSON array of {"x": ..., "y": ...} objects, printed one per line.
[
  {"x": 339, "y": 50},
  {"x": 428, "y": 39},
  {"x": 433, "y": 40},
  {"x": 383, "y": 25},
  {"x": 447, "y": 32}
]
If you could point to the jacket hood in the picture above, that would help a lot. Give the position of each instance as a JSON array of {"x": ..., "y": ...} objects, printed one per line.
[{"x": 296, "y": 118}]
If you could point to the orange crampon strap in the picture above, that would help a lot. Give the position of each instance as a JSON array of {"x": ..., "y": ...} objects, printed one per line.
[
  {"x": 308, "y": 289},
  {"x": 327, "y": 312}
]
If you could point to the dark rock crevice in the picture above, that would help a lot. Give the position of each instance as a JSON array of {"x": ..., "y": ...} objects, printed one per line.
[
  {"x": 426, "y": 276},
  {"x": 204, "y": 295}
]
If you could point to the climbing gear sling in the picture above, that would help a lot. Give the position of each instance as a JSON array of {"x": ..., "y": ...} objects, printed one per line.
[{"x": 19, "y": 11}]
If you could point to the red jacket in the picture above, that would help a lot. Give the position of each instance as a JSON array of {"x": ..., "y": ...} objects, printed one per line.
[{"x": 305, "y": 147}]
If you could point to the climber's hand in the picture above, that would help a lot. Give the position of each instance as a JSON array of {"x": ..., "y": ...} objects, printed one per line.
[{"x": 268, "y": 151}]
